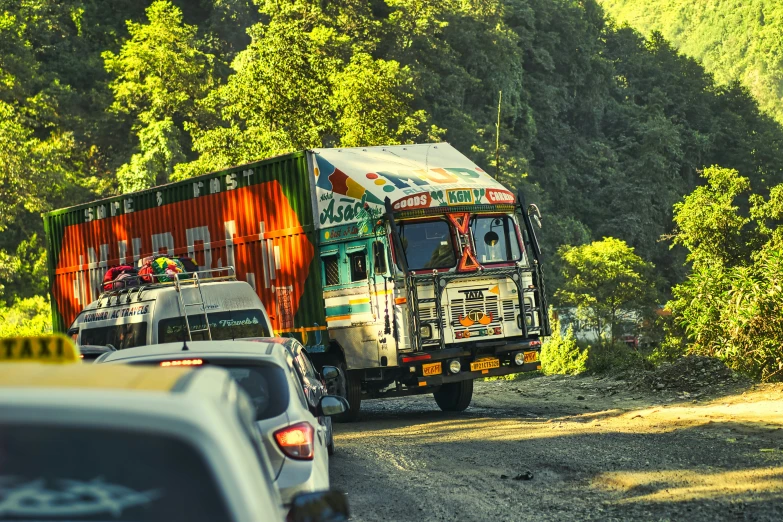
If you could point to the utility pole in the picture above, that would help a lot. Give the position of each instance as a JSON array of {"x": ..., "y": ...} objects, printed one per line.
[{"x": 497, "y": 138}]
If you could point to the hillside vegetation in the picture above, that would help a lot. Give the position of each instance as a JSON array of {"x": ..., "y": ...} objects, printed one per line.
[
  {"x": 605, "y": 129},
  {"x": 735, "y": 41}
]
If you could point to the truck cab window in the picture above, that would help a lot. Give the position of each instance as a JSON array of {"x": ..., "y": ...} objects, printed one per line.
[
  {"x": 427, "y": 244},
  {"x": 495, "y": 238},
  {"x": 331, "y": 270},
  {"x": 358, "y": 262}
]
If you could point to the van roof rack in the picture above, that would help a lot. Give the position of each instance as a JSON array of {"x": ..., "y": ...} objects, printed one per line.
[{"x": 135, "y": 285}]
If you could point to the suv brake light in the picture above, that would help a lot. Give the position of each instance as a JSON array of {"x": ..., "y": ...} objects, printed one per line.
[{"x": 296, "y": 441}]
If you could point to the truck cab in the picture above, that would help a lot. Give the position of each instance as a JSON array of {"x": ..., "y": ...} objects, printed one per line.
[{"x": 436, "y": 288}]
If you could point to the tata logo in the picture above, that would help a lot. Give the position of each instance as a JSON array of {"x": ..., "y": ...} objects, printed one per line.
[
  {"x": 473, "y": 317},
  {"x": 473, "y": 294}
]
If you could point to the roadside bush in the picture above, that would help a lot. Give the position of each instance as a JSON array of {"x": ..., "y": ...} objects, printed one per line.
[
  {"x": 560, "y": 353},
  {"x": 615, "y": 358},
  {"x": 31, "y": 316},
  {"x": 731, "y": 306}
]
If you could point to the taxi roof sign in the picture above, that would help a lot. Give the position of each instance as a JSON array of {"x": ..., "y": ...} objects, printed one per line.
[{"x": 54, "y": 348}]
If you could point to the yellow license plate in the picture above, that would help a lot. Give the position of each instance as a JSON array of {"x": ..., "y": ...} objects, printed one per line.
[
  {"x": 531, "y": 357},
  {"x": 484, "y": 364},
  {"x": 431, "y": 369}
]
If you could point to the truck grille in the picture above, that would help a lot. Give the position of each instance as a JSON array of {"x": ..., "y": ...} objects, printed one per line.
[{"x": 488, "y": 305}]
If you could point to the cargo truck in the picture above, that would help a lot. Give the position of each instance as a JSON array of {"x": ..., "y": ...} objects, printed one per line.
[{"x": 409, "y": 266}]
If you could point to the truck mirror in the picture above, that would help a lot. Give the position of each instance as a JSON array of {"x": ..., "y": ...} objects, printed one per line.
[
  {"x": 379, "y": 257},
  {"x": 535, "y": 214}
]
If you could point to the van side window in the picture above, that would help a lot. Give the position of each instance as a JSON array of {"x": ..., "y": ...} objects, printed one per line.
[
  {"x": 331, "y": 269},
  {"x": 358, "y": 262},
  {"x": 234, "y": 324}
]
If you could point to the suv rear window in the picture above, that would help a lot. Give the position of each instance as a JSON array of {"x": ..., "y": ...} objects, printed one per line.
[
  {"x": 233, "y": 324},
  {"x": 266, "y": 386},
  {"x": 88, "y": 474}
]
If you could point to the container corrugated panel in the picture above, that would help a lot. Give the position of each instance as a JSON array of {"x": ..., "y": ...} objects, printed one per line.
[{"x": 256, "y": 217}]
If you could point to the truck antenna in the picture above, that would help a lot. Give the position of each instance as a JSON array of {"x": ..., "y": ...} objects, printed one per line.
[{"x": 497, "y": 138}]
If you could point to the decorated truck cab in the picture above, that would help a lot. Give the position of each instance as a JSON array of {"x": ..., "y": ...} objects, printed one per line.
[{"x": 408, "y": 266}]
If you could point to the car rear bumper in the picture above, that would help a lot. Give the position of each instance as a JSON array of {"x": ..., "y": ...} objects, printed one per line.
[{"x": 301, "y": 476}]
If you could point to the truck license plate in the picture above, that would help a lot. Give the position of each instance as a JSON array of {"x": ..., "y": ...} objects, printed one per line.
[
  {"x": 431, "y": 369},
  {"x": 484, "y": 364},
  {"x": 531, "y": 357}
]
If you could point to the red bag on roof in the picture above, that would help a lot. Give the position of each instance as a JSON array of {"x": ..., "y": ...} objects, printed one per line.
[{"x": 110, "y": 280}]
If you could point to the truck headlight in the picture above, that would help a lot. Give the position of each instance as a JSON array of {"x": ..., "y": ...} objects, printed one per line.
[
  {"x": 455, "y": 366},
  {"x": 426, "y": 331},
  {"x": 519, "y": 358}
]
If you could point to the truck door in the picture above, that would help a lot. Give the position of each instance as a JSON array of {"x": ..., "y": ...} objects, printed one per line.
[{"x": 357, "y": 301}]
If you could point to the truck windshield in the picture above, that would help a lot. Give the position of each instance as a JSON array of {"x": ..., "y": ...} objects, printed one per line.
[
  {"x": 427, "y": 244},
  {"x": 495, "y": 238}
]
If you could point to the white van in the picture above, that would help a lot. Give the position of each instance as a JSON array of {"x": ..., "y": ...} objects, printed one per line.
[{"x": 207, "y": 305}]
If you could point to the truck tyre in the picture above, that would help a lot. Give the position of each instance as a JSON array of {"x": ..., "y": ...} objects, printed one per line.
[
  {"x": 454, "y": 396},
  {"x": 353, "y": 394}
]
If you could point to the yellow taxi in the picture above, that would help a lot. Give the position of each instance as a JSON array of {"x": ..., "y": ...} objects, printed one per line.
[{"x": 81, "y": 442}]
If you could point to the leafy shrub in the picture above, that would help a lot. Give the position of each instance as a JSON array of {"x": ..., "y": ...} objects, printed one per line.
[
  {"x": 615, "y": 358},
  {"x": 731, "y": 306},
  {"x": 561, "y": 354},
  {"x": 31, "y": 316}
]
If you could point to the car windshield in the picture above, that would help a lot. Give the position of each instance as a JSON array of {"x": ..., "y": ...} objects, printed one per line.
[
  {"x": 89, "y": 474},
  {"x": 227, "y": 325},
  {"x": 427, "y": 244},
  {"x": 495, "y": 238}
]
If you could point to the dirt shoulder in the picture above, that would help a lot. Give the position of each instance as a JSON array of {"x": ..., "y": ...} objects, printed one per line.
[{"x": 566, "y": 448}]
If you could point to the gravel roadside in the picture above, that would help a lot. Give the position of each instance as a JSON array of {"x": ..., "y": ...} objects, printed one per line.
[{"x": 565, "y": 448}]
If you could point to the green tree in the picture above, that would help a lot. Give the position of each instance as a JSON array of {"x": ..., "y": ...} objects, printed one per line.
[
  {"x": 735, "y": 44},
  {"x": 159, "y": 75},
  {"x": 731, "y": 305},
  {"x": 304, "y": 83},
  {"x": 607, "y": 283},
  {"x": 560, "y": 353}
]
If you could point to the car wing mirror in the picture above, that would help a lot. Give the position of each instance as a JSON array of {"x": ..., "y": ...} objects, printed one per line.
[
  {"x": 330, "y": 373},
  {"x": 320, "y": 506},
  {"x": 331, "y": 405}
]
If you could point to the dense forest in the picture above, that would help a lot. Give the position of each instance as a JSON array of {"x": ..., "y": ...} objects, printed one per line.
[
  {"x": 605, "y": 129},
  {"x": 735, "y": 41}
]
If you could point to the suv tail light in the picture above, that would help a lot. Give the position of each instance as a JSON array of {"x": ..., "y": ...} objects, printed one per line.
[{"x": 296, "y": 441}]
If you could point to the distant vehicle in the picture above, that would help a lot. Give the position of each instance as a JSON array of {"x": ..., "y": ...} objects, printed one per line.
[
  {"x": 408, "y": 266},
  {"x": 296, "y": 442},
  {"x": 90, "y": 352},
  {"x": 154, "y": 313},
  {"x": 165, "y": 446}
]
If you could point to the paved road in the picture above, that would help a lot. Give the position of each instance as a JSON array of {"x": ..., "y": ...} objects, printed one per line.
[{"x": 595, "y": 452}]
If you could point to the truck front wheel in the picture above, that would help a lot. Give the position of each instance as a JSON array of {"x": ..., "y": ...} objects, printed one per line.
[
  {"x": 454, "y": 396},
  {"x": 353, "y": 394}
]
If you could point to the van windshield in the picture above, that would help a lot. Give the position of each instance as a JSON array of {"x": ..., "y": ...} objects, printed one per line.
[
  {"x": 89, "y": 474},
  {"x": 226, "y": 325},
  {"x": 120, "y": 336}
]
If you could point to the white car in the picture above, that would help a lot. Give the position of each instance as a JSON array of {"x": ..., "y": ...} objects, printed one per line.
[{"x": 296, "y": 442}]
